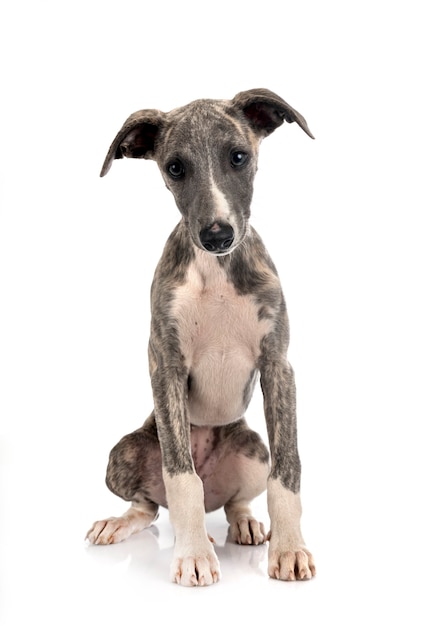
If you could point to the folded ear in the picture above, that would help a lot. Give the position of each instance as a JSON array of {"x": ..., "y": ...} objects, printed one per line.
[
  {"x": 265, "y": 111},
  {"x": 136, "y": 139}
]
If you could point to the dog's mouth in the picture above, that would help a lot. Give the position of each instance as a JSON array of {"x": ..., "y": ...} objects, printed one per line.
[{"x": 218, "y": 253}]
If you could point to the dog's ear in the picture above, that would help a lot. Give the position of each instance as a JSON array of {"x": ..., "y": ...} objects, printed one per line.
[
  {"x": 136, "y": 139},
  {"x": 266, "y": 111}
]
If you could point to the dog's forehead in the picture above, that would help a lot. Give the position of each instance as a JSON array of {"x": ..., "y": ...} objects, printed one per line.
[
  {"x": 204, "y": 121},
  {"x": 201, "y": 112}
]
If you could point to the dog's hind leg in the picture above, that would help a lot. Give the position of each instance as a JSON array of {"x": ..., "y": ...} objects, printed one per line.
[
  {"x": 115, "y": 529},
  {"x": 134, "y": 473},
  {"x": 238, "y": 475},
  {"x": 245, "y": 529}
]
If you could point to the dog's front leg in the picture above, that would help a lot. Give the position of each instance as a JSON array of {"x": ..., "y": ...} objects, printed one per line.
[
  {"x": 288, "y": 558},
  {"x": 194, "y": 560}
]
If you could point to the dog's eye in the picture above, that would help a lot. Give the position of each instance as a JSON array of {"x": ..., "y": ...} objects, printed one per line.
[
  {"x": 238, "y": 158},
  {"x": 175, "y": 169}
]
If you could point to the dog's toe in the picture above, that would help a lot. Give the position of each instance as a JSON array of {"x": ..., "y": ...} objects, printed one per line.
[
  {"x": 111, "y": 530},
  {"x": 196, "y": 571},
  {"x": 291, "y": 565},
  {"x": 247, "y": 531}
]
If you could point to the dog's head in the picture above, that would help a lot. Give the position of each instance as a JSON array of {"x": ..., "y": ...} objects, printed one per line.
[{"x": 207, "y": 154}]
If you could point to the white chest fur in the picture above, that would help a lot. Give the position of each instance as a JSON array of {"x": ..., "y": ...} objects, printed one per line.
[{"x": 220, "y": 334}]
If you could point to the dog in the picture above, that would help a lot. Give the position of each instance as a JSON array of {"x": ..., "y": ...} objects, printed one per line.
[{"x": 218, "y": 324}]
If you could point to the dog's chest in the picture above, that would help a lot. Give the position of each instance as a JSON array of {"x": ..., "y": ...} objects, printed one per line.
[
  {"x": 213, "y": 319},
  {"x": 220, "y": 333}
]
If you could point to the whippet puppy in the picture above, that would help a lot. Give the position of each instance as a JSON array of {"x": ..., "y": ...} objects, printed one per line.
[{"x": 218, "y": 321}]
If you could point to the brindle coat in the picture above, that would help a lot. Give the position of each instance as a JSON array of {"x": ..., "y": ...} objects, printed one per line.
[{"x": 218, "y": 321}]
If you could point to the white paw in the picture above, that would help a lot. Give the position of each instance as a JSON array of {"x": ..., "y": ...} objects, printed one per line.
[
  {"x": 291, "y": 565},
  {"x": 111, "y": 530},
  {"x": 193, "y": 571},
  {"x": 247, "y": 531}
]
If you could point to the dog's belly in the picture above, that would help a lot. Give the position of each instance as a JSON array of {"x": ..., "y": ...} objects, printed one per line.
[
  {"x": 220, "y": 333},
  {"x": 220, "y": 384}
]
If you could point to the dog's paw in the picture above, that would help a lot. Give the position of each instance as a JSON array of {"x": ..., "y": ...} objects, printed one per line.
[
  {"x": 111, "y": 530},
  {"x": 196, "y": 571},
  {"x": 247, "y": 531},
  {"x": 291, "y": 565}
]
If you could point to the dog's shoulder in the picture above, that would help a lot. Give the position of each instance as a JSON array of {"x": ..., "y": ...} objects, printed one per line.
[
  {"x": 252, "y": 270},
  {"x": 177, "y": 255}
]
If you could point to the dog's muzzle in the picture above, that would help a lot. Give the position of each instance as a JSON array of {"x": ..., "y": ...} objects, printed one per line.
[{"x": 217, "y": 238}]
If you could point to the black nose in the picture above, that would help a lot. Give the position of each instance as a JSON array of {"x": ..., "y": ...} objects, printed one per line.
[{"x": 217, "y": 237}]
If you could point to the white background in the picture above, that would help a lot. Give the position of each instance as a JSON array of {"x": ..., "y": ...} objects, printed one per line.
[{"x": 349, "y": 221}]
